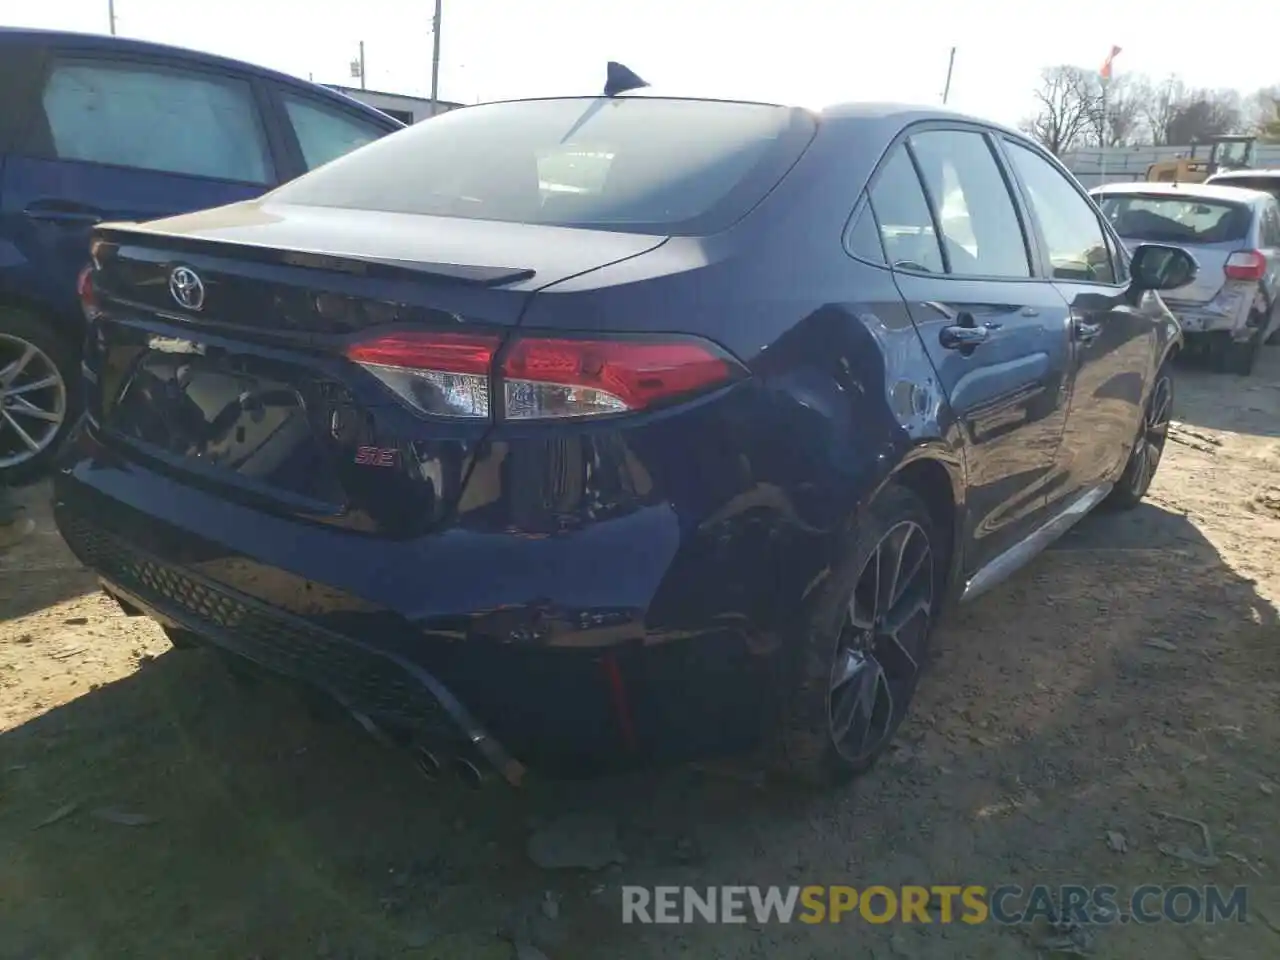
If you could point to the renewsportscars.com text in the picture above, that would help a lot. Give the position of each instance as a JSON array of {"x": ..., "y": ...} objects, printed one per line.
[{"x": 1008, "y": 904}]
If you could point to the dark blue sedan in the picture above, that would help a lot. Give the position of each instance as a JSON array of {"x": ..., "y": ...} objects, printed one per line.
[{"x": 573, "y": 433}]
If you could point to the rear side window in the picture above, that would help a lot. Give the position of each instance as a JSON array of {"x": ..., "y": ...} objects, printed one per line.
[
  {"x": 906, "y": 226},
  {"x": 863, "y": 239},
  {"x": 642, "y": 164},
  {"x": 1162, "y": 219},
  {"x": 21, "y": 79},
  {"x": 1072, "y": 232},
  {"x": 324, "y": 133},
  {"x": 975, "y": 212},
  {"x": 155, "y": 118}
]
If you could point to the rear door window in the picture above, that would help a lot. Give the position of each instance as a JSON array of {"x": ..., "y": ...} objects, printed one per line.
[
  {"x": 980, "y": 227},
  {"x": 325, "y": 133},
  {"x": 153, "y": 117},
  {"x": 1073, "y": 234},
  {"x": 906, "y": 225}
]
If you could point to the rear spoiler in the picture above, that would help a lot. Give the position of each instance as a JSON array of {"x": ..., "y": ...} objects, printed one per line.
[{"x": 147, "y": 237}]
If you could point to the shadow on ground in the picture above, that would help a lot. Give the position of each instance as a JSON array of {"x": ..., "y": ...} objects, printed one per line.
[
  {"x": 1047, "y": 720},
  {"x": 1223, "y": 401},
  {"x": 39, "y": 571}
]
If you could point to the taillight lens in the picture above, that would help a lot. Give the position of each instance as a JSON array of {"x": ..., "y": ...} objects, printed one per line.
[
  {"x": 548, "y": 378},
  {"x": 449, "y": 374},
  {"x": 87, "y": 294},
  {"x": 1245, "y": 265},
  {"x": 445, "y": 374}
]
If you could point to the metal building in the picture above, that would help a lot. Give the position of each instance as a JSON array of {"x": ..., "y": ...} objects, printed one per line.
[
  {"x": 404, "y": 108},
  {"x": 1094, "y": 166}
]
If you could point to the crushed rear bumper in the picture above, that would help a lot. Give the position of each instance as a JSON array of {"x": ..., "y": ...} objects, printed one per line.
[
  {"x": 1228, "y": 312},
  {"x": 368, "y": 680}
]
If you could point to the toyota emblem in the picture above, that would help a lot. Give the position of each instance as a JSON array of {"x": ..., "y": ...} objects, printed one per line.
[{"x": 187, "y": 288}]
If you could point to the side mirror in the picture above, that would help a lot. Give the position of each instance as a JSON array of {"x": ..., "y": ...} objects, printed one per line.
[{"x": 1157, "y": 266}]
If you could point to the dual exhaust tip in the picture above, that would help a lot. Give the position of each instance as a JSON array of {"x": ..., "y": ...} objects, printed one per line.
[
  {"x": 431, "y": 767},
  {"x": 429, "y": 764}
]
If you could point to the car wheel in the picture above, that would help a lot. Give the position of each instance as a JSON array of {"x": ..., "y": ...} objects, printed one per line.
[
  {"x": 1240, "y": 358},
  {"x": 39, "y": 394},
  {"x": 865, "y": 646},
  {"x": 1149, "y": 447}
]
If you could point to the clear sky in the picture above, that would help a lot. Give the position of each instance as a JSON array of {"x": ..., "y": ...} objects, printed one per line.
[{"x": 809, "y": 52}]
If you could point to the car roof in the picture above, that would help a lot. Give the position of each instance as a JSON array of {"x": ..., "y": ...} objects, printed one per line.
[
  {"x": 1196, "y": 191},
  {"x": 1245, "y": 174},
  {"x": 890, "y": 116},
  {"x": 894, "y": 113},
  {"x": 97, "y": 42}
]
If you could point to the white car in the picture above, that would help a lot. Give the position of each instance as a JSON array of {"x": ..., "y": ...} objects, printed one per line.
[
  {"x": 1233, "y": 305},
  {"x": 1266, "y": 180}
]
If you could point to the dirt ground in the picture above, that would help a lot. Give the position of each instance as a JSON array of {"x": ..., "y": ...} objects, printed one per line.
[{"x": 151, "y": 805}]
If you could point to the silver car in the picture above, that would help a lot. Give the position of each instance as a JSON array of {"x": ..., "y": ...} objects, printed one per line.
[{"x": 1233, "y": 305}]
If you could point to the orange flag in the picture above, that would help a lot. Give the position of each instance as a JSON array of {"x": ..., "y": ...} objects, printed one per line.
[{"x": 1105, "y": 72}]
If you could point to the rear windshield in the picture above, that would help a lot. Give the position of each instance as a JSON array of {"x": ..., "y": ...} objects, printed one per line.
[
  {"x": 1269, "y": 184},
  {"x": 1176, "y": 219},
  {"x": 633, "y": 164}
]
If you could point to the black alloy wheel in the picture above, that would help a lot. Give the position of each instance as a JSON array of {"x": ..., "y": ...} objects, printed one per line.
[
  {"x": 866, "y": 644},
  {"x": 1149, "y": 447},
  {"x": 881, "y": 648}
]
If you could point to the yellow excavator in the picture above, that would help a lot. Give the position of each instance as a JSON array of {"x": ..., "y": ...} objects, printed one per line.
[{"x": 1232, "y": 152}]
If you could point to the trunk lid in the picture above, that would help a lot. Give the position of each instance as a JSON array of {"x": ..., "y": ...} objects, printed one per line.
[{"x": 245, "y": 388}]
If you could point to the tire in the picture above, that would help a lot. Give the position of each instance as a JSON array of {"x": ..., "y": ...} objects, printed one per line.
[
  {"x": 842, "y": 670},
  {"x": 1240, "y": 358},
  {"x": 33, "y": 352},
  {"x": 1148, "y": 449},
  {"x": 1217, "y": 351}
]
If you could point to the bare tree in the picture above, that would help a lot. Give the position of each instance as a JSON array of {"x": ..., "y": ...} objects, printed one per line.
[
  {"x": 1120, "y": 118},
  {"x": 1162, "y": 105},
  {"x": 1205, "y": 114},
  {"x": 1067, "y": 98},
  {"x": 1262, "y": 114}
]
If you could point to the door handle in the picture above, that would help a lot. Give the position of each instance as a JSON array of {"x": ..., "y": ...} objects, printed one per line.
[
  {"x": 963, "y": 337},
  {"x": 1085, "y": 332}
]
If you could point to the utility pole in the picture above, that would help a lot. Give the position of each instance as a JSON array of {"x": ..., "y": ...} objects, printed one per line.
[
  {"x": 111, "y": 15},
  {"x": 362, "y": 65},
  {"x": 435, "y": 60},
  {"x": 951, "y": 63}
]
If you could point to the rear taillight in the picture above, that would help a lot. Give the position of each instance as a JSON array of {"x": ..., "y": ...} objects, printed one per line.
[
  {"x": 545, "y": 378},
  {"x": 446, "y": 374},
  {"x": 540, "y": 378},
  {"x": 1245, "y": 265},
  {"x": 87, "y": 294}
]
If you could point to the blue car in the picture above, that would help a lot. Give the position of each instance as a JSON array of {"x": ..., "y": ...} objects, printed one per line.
[
  {"x": 567, "y": 434},
  {"x": 96, "y": 129}
]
